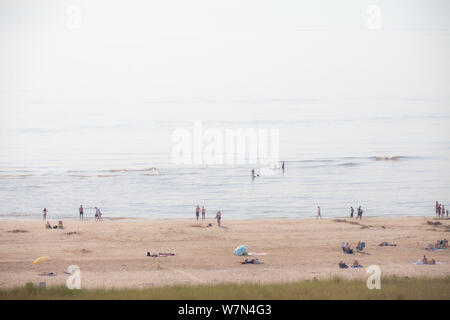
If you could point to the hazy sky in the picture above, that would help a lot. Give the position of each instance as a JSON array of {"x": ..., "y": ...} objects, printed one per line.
[{"x": 117, "y": 56}]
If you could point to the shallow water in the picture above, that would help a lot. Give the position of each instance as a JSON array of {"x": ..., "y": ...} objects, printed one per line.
[{"x": 391, "y": 162}]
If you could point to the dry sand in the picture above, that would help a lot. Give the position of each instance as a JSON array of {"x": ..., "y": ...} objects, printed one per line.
[{"x": 113, "y": 253}]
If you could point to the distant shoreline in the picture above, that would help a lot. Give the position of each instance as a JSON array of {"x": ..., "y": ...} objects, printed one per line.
[{"x": 138, "y": 219}]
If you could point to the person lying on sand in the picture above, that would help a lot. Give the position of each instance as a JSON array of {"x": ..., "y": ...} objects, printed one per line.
[
  {"x": 161, "y": 254},
  {"x": 356, "y": 264},
  {"x": 385, "y": 244},
  {"x": 342, "y": 265},
  {"x": 251, "y": 261}
]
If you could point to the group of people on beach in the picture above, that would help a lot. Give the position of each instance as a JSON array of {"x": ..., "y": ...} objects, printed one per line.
[
  {"x": 359, "y": 213},
  {"x": 440, "y": 244},
  {"x": 426, "y": 261},
  {"x": 352, "y": 211},
  {"x": 98, "y": 213},
  {"x": 440, "y": 210},
  {"x": 203, "y": 211},
  {"x": 343, "y": 265}
]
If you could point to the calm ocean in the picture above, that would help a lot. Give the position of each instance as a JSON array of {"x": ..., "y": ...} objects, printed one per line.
[{"x": 393, "y": 161}]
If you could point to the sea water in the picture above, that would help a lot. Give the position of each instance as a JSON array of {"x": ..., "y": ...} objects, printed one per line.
[{"x": 390, "y": 157}]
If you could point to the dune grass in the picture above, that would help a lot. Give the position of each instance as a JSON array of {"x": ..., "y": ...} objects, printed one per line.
[{"x": 391, "y": 288}]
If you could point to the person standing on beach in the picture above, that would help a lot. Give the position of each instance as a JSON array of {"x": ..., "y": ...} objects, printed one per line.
[
  {"x": 442, "y": 211},
  {"x": 80, "y": 209},
  {"x": 360, "y": 212},
  {"x": 447, "y": 213},
  {"x": 282, "y": 167},
  {"x": 439, "y": 211},
  {"x": 218, "y": 217},
  {"x": 318, "y": 213},
  {"x": 437, "y": 208},
  {"x": 351, "y": 212},
  {"x": 203, "y": 212},
  {"x": 44, "y": 214},
  {"x": 197, "y": 211},
  {"x": 98, "y": 214}
]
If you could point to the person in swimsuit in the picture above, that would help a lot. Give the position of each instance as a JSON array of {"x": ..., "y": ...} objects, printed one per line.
[
  {"x": 351, "y": 212},
  {"x": 81, "y": 211},
  {"x": 97, "y": 214},
  {"x": 203, "y": 213},
  {"x": 218, "y": 217},
  {"x": 197, "y": 211},
  {"x": 44, "y": 214},
  {"x": 318, "y": 213}
]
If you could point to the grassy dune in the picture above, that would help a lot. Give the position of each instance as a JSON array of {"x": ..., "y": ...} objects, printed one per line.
[{"x": 391, "y": 288}]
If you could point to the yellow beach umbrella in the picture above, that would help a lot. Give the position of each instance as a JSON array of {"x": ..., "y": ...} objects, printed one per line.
[{"x": 40, "y": 259}]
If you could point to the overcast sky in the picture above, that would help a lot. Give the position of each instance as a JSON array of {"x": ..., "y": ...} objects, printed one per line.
[{"x": 100, "y": 55}]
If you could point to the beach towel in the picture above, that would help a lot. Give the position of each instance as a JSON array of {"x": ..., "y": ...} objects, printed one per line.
[
  {"x": 256, "y": 253},
  {"x": 166, "y": 254},
  {"x": 420, "y": 263},
  {"x": 431, "y": 248},
  {"x": 357, "y": 266}
]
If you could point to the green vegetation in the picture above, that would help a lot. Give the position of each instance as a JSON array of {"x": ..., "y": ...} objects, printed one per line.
[{"x": 391, "y": 288}]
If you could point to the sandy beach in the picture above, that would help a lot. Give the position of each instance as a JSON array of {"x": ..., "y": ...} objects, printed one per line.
[{"x": 112, "y": 254}]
